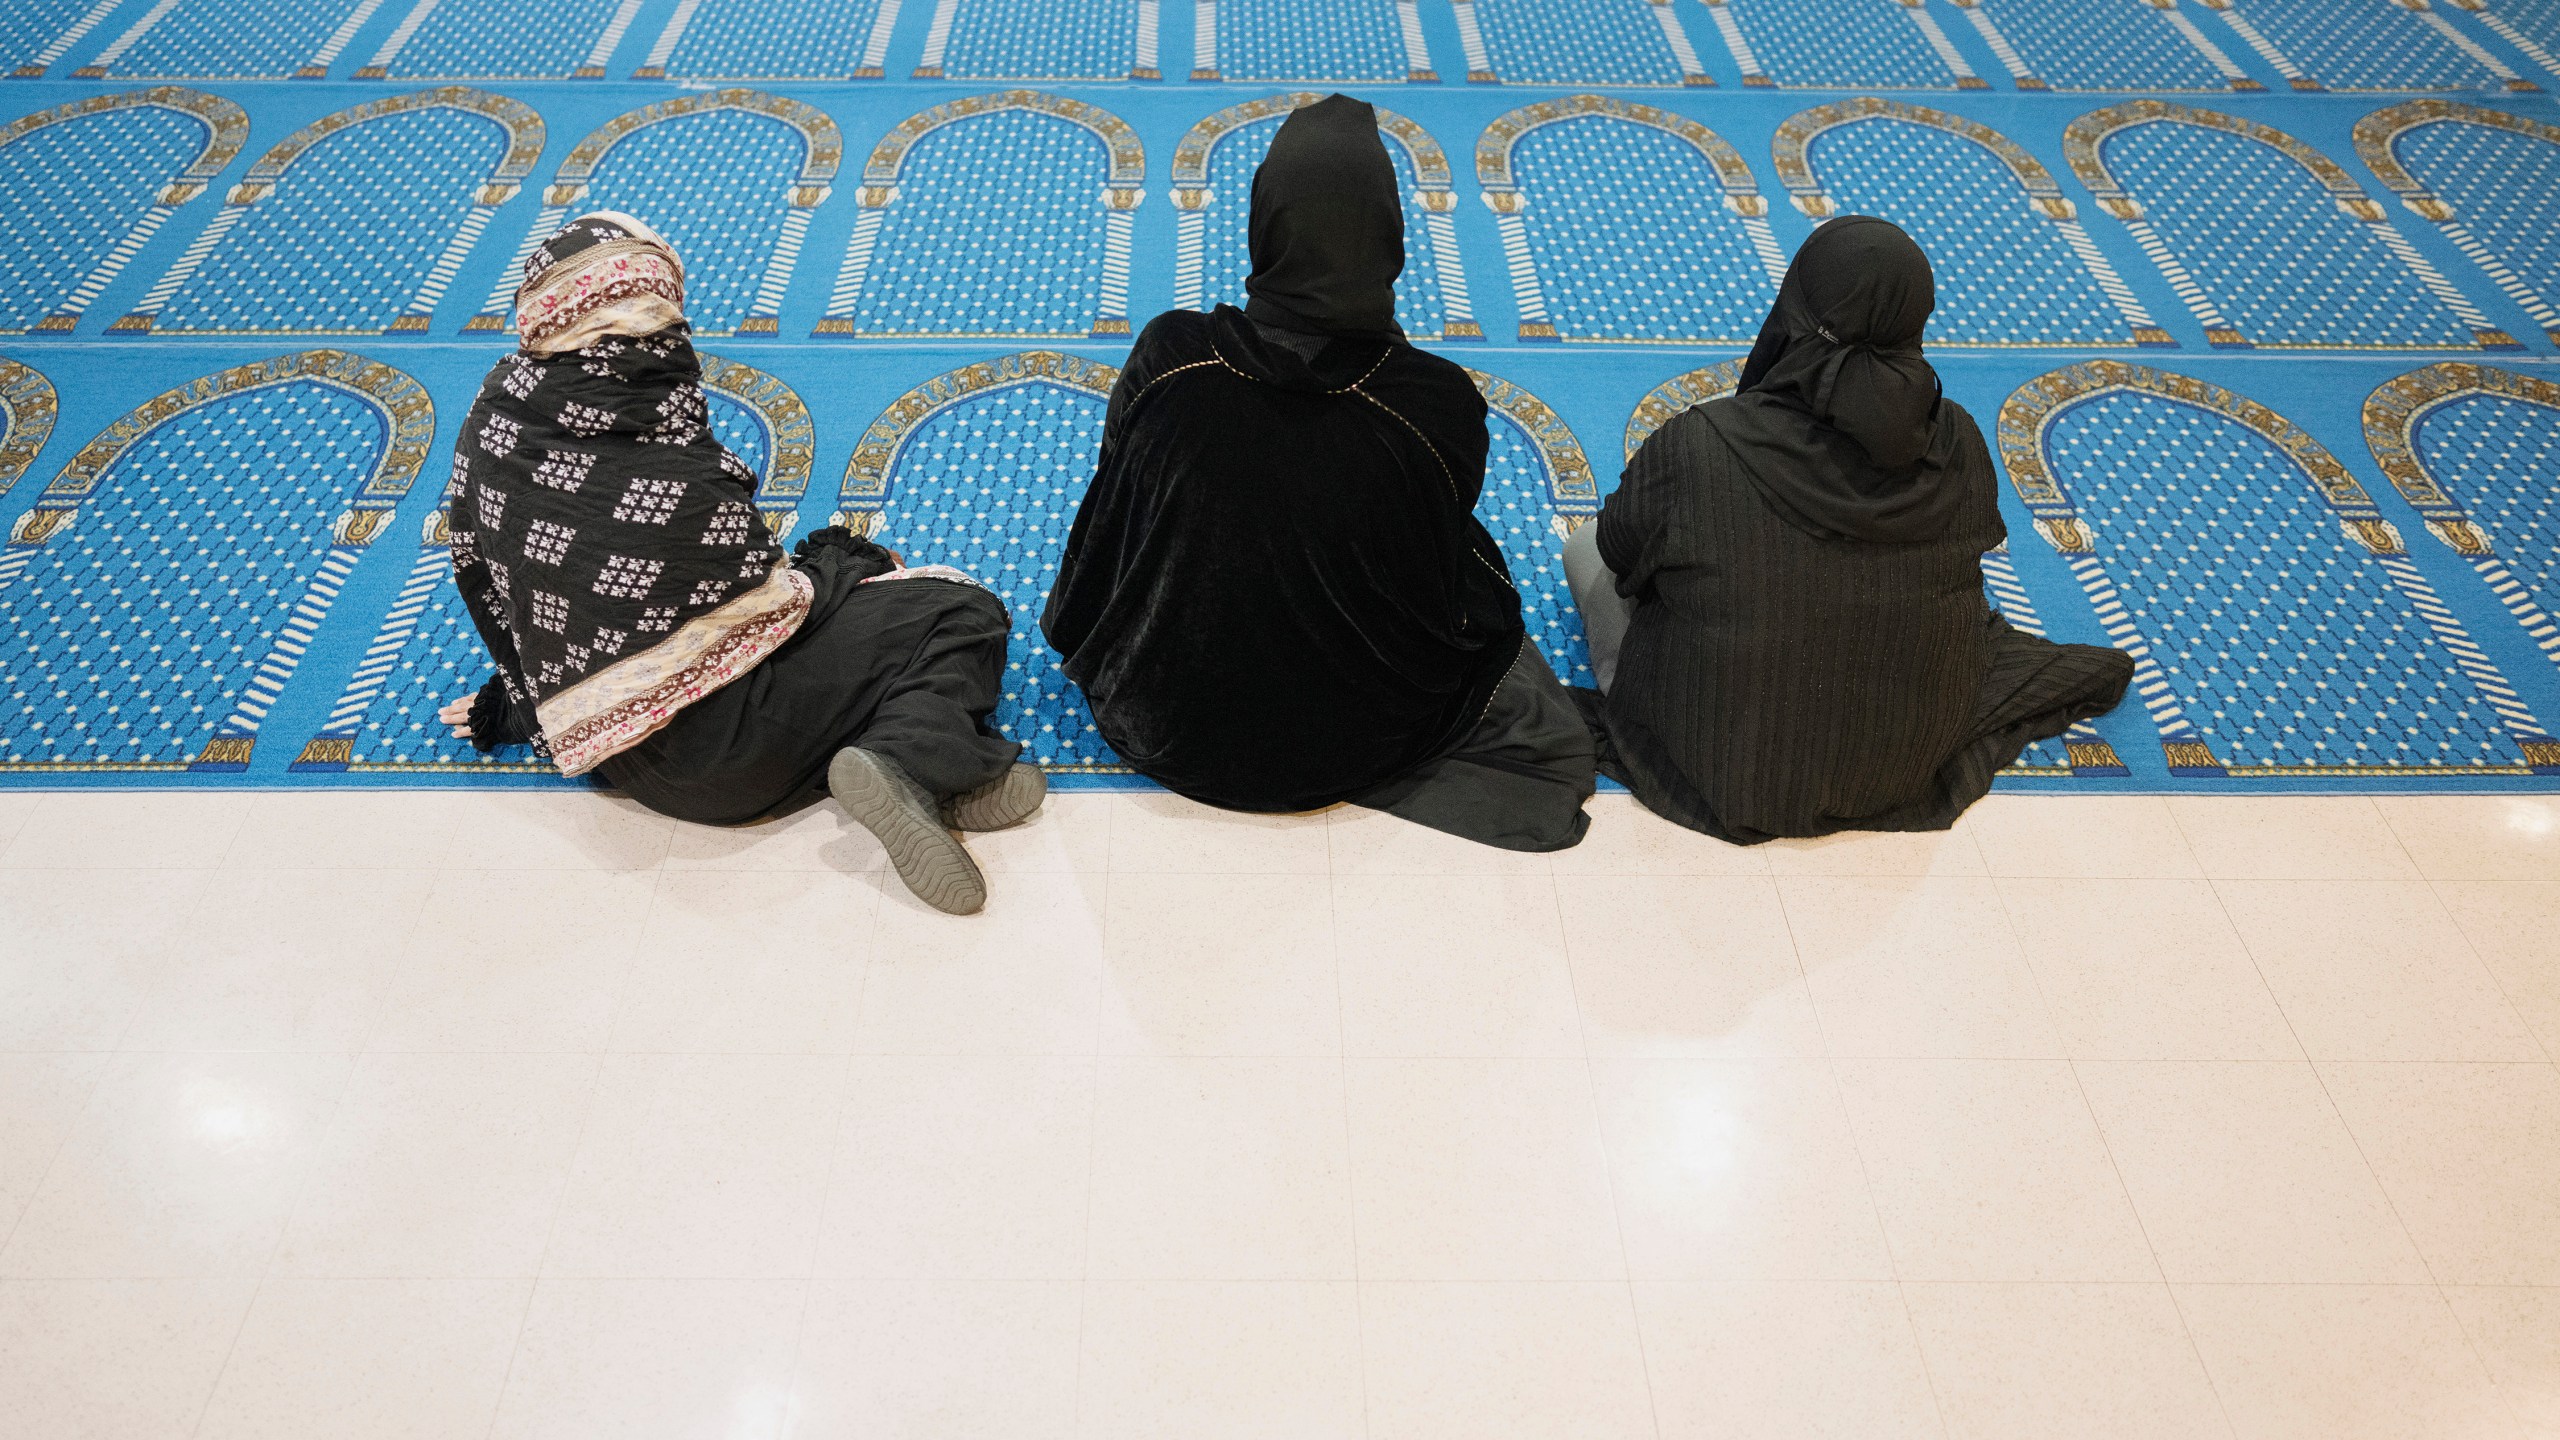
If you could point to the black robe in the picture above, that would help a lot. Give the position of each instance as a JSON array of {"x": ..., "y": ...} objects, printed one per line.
[
  {"x": 1276, "y": 595},
  {"x": 1778, "y": 683}
]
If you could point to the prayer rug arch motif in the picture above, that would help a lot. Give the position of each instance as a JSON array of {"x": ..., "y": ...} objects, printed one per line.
[
  {"x": 297, "y": 247},
  {"x": 491, "y": 40},
  {"x": 425, "y": 651},
  {"x": 1625, "y": 223},
  {"x": 85, "y": 185},
  {"x": 233, "y": 40},
  {"x": 2531, "y": 26},
  {"x": 2364, "y": 45},
  {"x": 153, "y": 618},
  {"x": 28, "y": 407},
  {"x": 919, "y": 482},
  {"x": 2014, "y": 264},
  {"x": 2490, "y": 182},
  {"x": 737, "y": 40},
  {"x": 1215, "y": 163},
  {"x": 36, "y": 33},
  {"x": 730, "y": 177},
  {"x": 1343, "y": 42},
  {"x": 2269, "y": 241},
  {"x": 1577, "y": 42},
  {"x": 2276, "y": 623},
  {"x": 2473, "y": 449},
  {"x": 1043, "y": 40},
  {"x": 2101, "y": 45},
  {"x": 1006, "y": 215},
  {"x": 1538, "y": 489},
  {"x": 1842, "y": 44},
  {"x": 2081, "y": 750}
]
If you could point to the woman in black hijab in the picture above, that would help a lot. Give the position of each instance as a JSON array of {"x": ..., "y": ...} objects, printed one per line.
[
  {"x": 1796, "y": 573},
  {"x": 1276, "y": 595}
]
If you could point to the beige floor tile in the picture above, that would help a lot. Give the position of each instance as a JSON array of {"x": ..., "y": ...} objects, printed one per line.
[
  {"x": 1991, "y": 1170},
  {"x": 1166, "y": 834},
  {"x": 651, "y": 1358},
  {"x": 2470, "y": 1155},
  {"x": 2512, "y": 927},
  {"x": 1372, "y": 842},
  {"x": 135, "y": 830},
  {"x": 1070, "y": 833},
  {"x": 1251, "y": 1361},
  {"x": 368, "y": 1360},
  {"x": 2517, "y": 1334},
  {"x": 1701, "y": 966},
  {"x": 2146, "y": 970},
  {"x": 2478, "y": 837},
  {"x": 1627, "y": 839},
  {"x": 1878, "y": 853},
  {"x": 1220, "y": 965},
  {"x": 1915, "y": 967},
  {"x": 15, "y": 807},
  {"x": 1784, "y": 1361},
  {"x": 815, "y": 838},
  {"x": 2081, "y": 837},
  {"x": 1737, "y": 1169},
  {"x": 441, "y": 1166},
  {"x": 1220, "y": 1169},
  {"x": 700, "y": 1166},
  {"x": 282, "y": 960},
  {"x": 2291, "y": 837},
  {"x": 515, "y": 960},
  {"x": 113, "y": 1359},
  {"x": 1466, "y": 965},
  {"x": 749, "y": 964},
  {"x": 182, "y": 1166},
  {"x": 1525, "y": 1362},
  {"x": 2095, "y": 1362},
  {"x": 84, "y": 948},
  {"x": 41, "y": 1097},
  {"x": 2375, "y": 971},
  {"x": 970, "y": 1166},
  {"x": 2244, "y": 1172},
  {"x": 938, "y": 1360},
  {"x": 1021, "y": 977},
  {"x": 348, "y": 829},
  {"x": 559, "y": 830},
  {"x": 2342, "y": 1362},
  {"x": 1480, "y": 1170}
]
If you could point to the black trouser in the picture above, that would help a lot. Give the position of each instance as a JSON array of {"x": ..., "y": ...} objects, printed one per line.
[{"x": 906, "y": 669}]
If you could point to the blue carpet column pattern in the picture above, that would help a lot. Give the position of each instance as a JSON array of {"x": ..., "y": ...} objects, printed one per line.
[{"x": 2259, "y": 301}]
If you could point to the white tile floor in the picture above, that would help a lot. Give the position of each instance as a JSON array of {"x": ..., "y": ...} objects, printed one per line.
[{"x": 535, "y": 1117}]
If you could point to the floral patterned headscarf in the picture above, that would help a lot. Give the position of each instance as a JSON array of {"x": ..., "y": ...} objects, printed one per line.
[{"x": 602, "y": 274}]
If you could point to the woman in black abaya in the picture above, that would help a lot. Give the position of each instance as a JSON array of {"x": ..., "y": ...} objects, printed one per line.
[
  {"x": 1784, "y": 593},
  {"x": 1276, "y": 595}
]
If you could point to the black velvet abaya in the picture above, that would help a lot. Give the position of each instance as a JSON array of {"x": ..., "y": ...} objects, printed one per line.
[
  {"x": 1276, "y": 595},
  {"x": 1809, "y": 648}
]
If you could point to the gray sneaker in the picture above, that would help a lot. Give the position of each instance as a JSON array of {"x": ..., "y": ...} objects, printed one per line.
[
  {"x": 1006, "y": 800},
  {"x": 884, "y": 800}
]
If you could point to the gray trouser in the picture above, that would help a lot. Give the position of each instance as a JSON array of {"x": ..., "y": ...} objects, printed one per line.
[{"x": 1595, "y": 593}]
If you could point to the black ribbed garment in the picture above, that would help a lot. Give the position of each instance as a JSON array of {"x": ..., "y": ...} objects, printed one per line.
[{"x": 1779, "y": 683}]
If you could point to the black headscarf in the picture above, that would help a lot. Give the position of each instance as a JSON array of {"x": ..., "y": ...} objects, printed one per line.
[
  {"x": 1327, "y": 232},
  {"x": 1836, "y": 420}
]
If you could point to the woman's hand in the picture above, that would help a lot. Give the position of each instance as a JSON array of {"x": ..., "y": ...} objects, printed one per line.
[{"x": 457, "y": 717}]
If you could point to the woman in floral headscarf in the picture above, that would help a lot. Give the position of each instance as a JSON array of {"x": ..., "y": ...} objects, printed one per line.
[{"x": 647, "y": 627}]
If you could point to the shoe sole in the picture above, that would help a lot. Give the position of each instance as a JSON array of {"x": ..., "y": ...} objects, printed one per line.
[
  {"x": 1008, "y": 801},
  {"x": 931, "y": 861}
]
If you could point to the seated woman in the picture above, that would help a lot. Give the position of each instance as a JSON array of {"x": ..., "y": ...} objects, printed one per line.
[
  {"x": 646, "y": 627},
  {"x": 1276, "y": 595},
  {"x": 1784, "y": 594}
]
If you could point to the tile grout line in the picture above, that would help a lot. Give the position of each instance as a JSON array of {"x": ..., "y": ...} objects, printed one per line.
[
  {"x": 2532, "y": 1032},
  {"x": 1600, "y": 1134},
  {"x": 1350, "y": 1163}
]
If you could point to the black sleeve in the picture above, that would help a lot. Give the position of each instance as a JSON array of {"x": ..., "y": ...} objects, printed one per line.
[{"x": 1634, "y": 516}]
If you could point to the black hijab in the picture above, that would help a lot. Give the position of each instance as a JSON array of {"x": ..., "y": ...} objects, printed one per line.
[
  {"x": 1327, "y": 232},
  {"x": 1837, "y": 418}
]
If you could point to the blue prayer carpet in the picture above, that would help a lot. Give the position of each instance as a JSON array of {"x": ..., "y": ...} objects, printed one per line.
[{"x": 2258, "y": 300}]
